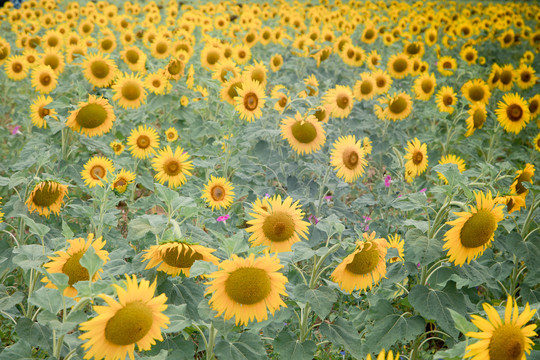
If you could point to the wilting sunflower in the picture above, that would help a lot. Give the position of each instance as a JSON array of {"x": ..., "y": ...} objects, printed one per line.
[
  {"x": 136, "y": 318},
  {"x": 171, "y": 134},
  {"x": 417, "y": 158},
  {"x": 16, "y": 67},
  {"x": 96, "y": 170},
  {"x": 447, "y": 65},
  {"x": 385, "y": 356},
  {"x": 172, "y": 166},
  {"x": 250, "y": 100},
  {"x": 99, "y": 70},
  {"x": 513, "y": 113},
  {"x": 218, "y": 193},
  {"x": 446, "y": 99},
  {"x": 117, "y": 147},
  {"x": 399, "y": 106},
  {"x": 473, "y": 231},
  {"x": 477, "y": 118},
  {"x": 44, "y": 79},
  {"x": 176, "y": 257},
  {"x": 525, "y": 76},
  {"x": 451, "y": 159},
  {"x": 340, "y": 101},
  {"x": 476, "y": 91},
  {"x": 399, "y": 66},
  {"x": 348, "y": 158},
  {"x": 424, "y": 86},
  {"x": 365, "y": 88},
  {"x": 47, "y": 197},
  {"x": 522, "y": 176},
  {"x": 129, "y": 91},
  {"x": 512, "y": 202},
  {"x": 502, "y": 339},
  {"x": 396, "y": 242},
  {"x": 143, "y": 142},
  {"x": 365, "y": 267},
  {"x": 247, "y": 288},
  {"x": 38, "y": 111},
  {"x": 122, "y": 180},
  {"x": 93, "y": 118},
  {"x": 67, "y": 262},
  {"x": 305, "y": 135}
]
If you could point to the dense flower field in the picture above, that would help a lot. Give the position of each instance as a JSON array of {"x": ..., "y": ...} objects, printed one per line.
[{"x": 269, "y": 180}]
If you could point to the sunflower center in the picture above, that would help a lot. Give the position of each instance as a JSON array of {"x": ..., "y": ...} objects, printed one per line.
[
  {"x": 132, "y": 56},
  {"x": 91, "y": 116},
  {"x": 278, "y": 227},
  {"x": 184, "y": 259},
  {"x": 304, "y": 132},
  {"x": 514, "y": 112},
  {"x": 417, "y": 157},
  {"x": 143, "y": 142},
  {"x": 175, "y": 67},
  {"x": 427, "y": 86},
  {"x": 469, "y": 56},
  {"x": 506, "y": 77},
  {"x": 156, "y": 83},
  {"x": 342, "y": 101},
  {"x": 276, "y": 61},
  {"x": 507, "y": 343},
  {"x": 397, "y": 106},
  {"x": 100, "y": 69},
  {"x": 119, "y": 183},
  {"x": 448, "y": 100},
  {"x": 381, "y": 82},
  {"x": 52, "y": 61},
  {"x": 447, "y": 65},
  {"x": 73, "y": 269},
  {"x": 365, "y": 261},
  {"x": 525, "y": 76},
  {"x": 212, "y": 57},
  {"x": 479, "y": 119},
  {"x": 172, "y": 167},
  {"x": 366, "y": 87},
  {"x": 476, "y": 93},
  {"x": 320, "y": 114},
  {"x": 251, "y": 100},
  {"x": 350, "y": 158},
  {"x": 533, "y": 106},
  {"x": 161, "y": 48},
  {"x": 17, "y": 67},
  {"x": 46, "y": 195},
  {"x": 130, "y": 324},
  {"x": 369, "y": 34},
  {"x": 283, "y": 101},
  {"x": 43, "y": 112},
  {"x": 478, "y": 229},
  {"x": 400, "y": 65},
  {"x": 218, "y": 193},
  {"x": 45, "y": 79},
  {"x": 106, "y": 44},
  {"x": 496, "y": 77},
  {"x": 248, "y": 285},
  {"x": 97, "y": 172}
]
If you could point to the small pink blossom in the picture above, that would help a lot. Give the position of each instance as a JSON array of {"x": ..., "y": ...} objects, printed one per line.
[
  {"x": 423, "y": 190},
  {"x": 223, "y": 217},
  {"x": 387, "y": 180},
  {"x": 267, "y": 195},
  {"x": 16, "y": 130},
  {"x": 313, "y": 219},
  {"x": 328, "y": 197}
]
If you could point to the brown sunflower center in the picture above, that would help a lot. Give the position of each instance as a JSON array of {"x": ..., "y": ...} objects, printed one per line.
[
  {"x": 132, "y": 56},
  {"x": 52, "y": 60},
  {"x": 366, "y": 87},
  {"x": 448, "y": 100},
  {"x": 46, "y": 195},
  {"x": 232, "y": 91},
  {"x": 478, "y": 229},
  {"x": 514, "y": 112},
  {"x": 400, "y": 65},
  {"x": 73, "y": 269},
  {"x": 524, "y": 177},
  {"x": 525, "y": 76},
  {"x": 171, "y": 135},
  {"x": 276, "y": 61},
  {"x": 16, "y": 67},
  {"x": 143, "y": 142},
  {"x": 342, "y": 101},
  {"x": 398, "y": 105},
  {"x": 304, "y": 132},
  {"x": 364, "y": 261},
  {"x": 251, "y": 101},
  {"x": 469, "y": 56},
  {"x": 184, "y": 259},
  {"x": 217, "y": 193},
  {"x": 45, "y": 79},
  {"x": 507, "y": 343},
  {"x": 100, "y": 69},
  {"x": 97, "y": 172},
  {"x": 43, "y": 112},
  {"x": 496, "y": 77},
  {"x": 350, "y": 158},
  {"x": 248, "y": 285},
  {"x": 212, "y": 57},
  {"x": 130, "y": 324},
  {"x": 161, "y": 48},
  {"x": 479, "y": 118},
  {"x": 175, "y": 67},
  {"x": 106, "y": 44},
  {"x": 506, "y": 77},
  {"x": 282, "y": 101},
  {"x": 172, "y": 167},
  {"x": 427, "y": 86},
  {"x": 278, "y": 227},
  {"x": 156, "y": 83},
  {"x": 369, "y": 34},
  {"x": 533, "y": 106},
  {"x": 381, "y": 82},
  {"x": 120, "y": 183},
  {"x": 91, "y": 116},
  {"x": 131, "y": 90},
  {"x": 476, "y": 93},
  {"x": 417, "y": 157},
  {"x": 320, "y": 114},
  {"x": 447, "y": 65}
]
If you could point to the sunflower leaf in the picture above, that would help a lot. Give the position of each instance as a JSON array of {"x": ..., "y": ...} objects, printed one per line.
[
  {"x": 461, "y": 323},
  {"x": 91, "y": 261},
  {"x": 343, "y": 333},
  {"x": 392, "y": 329},
  {"x": 288, "y": 346},
  {"x": 247, "y": 347},
  {"x": 21, "y": 351}
]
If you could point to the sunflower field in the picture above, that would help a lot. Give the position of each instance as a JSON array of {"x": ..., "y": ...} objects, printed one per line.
[{"x": 269, "y": 180}]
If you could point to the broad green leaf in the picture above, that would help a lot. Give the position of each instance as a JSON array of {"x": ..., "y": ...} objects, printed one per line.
[
  {"x": 61, "y": 280},
  {"x": 138, "y": 227},
  {"x": 461, "y": 323},
  {"x": 34, "y": 333},
  {"x": 288, "y": 346},
  {"x": 455, "y": 353},
  {"x": 91, "y": 261},
  {"x": 342, "y": 333},
  {"x": 420, "y": 249},
  {"x": 29, "y": 257},
  {"x": 321, "y": 299},
  {"x": 247, "y": 347},
  {"x": 177, "y": 317},
  {"x": 49, "y": 299},
  {"x": 9, "y": 301},
  {"x": 35, "y": 228},
  {"x": 66, "y": 230},
  {"x": 20, "y": 351},
  {"x": 394, "y": 328},
  {"x": 177, "y": 347}
]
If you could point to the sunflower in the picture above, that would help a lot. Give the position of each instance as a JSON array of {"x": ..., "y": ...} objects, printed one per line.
[
  {"x": 241, "y": 54},
  {"x": 174, "y": 70},
  {"x": 143, "y": 142},
  {"x": 446, "y": 65},
  {"x": 305, "y": 135},
  {"x": 276, "y": 62},
  {"x": 117, "y": 147},
  {"x": 16, "y": 67},
  {"x": 507, "y": 339},
  {"x": 172, "y": 166},
  {"x": 525, "y": 76},
  {"x": 210, "y": 57},
  {"x": 348, "y": 158},
  {"x": 67, "y": 262},
  {"x": 129, "y": 91},
  {"x": 218, "y": 193},
  {"x": 512, "y": 202},
  {"x": 383, "y": 81},
  {"x": 160, "y": 47},
  {"x": 424, "y": 86},
  {"x": 469, "y": 55},
  {"x": 396, "y": 242},
  {"x": 340, "y": 101},
  {"x": 322, "y": 113},
  {"x": 96, "y": 170},
  {"x": 366, "y": 146},
  {"x": 417, "y": 158},
  {"x": 494, "y": 76},
  {"x": 38, "y": 111},
  {"x": 157, "y": 83},
  {"x": 383, "y": 355},
  {"x": 99, "y": 70},
  {"x": 226, "y": 68},
  {"x": 513, "y": 113},
  {"x": 47, "y": 197},
  {"x": 477, "y": 118},
  {"x": 134, "y": 57},
  {"x": 136, "y": 318},
  {"x": 534, "y": 106},
  {"x": 473, "y": 231},
  {"x": 53, "y": 59},
  {"x": 399, "y": 66},
  {"x": 476, "y": 91},
  {"x": 399, "y": 106},
  {"x": 177, "y": 257},
  {"x": 365, "y": 267},
  {"x": 250, "y": 100},
  {"x": 373, "y": 60},
  {"x": 247, "y": 288},
  {"x": 365, "y": 89},
  {"x": 122, "y": 180},
  {"x": 257, "y": 72},
  {"x": 312, "y": 85},
  {"x": 537, "y": 142},
  {"x": 281, "y": 96},
  {"x": 446, "y": 99},
  {"x": 44, "y": 79},
  {"x": 93, "y": 118},
  {"x": 171, "y": 134},
  {"x": 506, "y": 81},
  {"x": 522, "y": 176},
  {"x": 451, "y": 159}
]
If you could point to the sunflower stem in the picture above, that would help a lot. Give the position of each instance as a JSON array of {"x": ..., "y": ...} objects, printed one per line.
[
  {"x": 321, "y": 190},
  {"x": 526, "y": 224},
  {"x": 438, "y": 217},
  {"x": 212, "y": 332}
]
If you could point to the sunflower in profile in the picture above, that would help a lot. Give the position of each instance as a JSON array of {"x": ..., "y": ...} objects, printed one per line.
[
  {"x": 534, "y": 106},
  {"x": 502, "y": 339},
  {"x": 305, "y": 135},
  {"x": 506, "y": 81},
  {"x": 536, "y": 142},
  {"x": 424, "y": 86},
  {"x": 47, "y": 197},
  {"x": 348, "y": 158},
  {"x": 396, "y": 242},
  {"x": 365, "y": 267},
  {"x": 399, "y": 66},
  {"x": 135, "y": 319},
  {"x": 247, "y": 288},
  {"x": 340, "y": 101},
  {"x": 513, "y": 113},
  {"x": 122, "y": 180},
  {"x": 96, "y": 170},
  {"x": 38, "y": 111},
  {"x": 446, "y": 65},
  {"x": 129, "y": 91},
  {"x": 250, "y": 100},
  {"x": 172, "y": 166},
  {"x": 176, "y": 257},
  {"x": 446, "y": 98},
  {"x": 99, "y": 70},
  {"x": 225, "y": 69},
  {"x": 16, "y": 67},
  {"x": 44, "y": 79},
  {"x": 117, "y": 147},
  {"x": 143, "y": 141},
  {"x": 477, "y": 118},
  {"x": 472, "y": 232},
  {"x": 417, "y": 158},
  {"x": 383, "y": 355},
  {"x": 512, "y": 202},
  {"x": 67, "y": 262},
  {"x": 399, "y": 106},
  {"x": 171, "y": 134},
  {"x": 218, "y": 193},
  {"x": 451, "y": 159},
  {"x": 522, "y": 176},
  {"x": 476, "y": 91},
  {"x": 321, "y": 113},
  {"x": 93, "y": 118},
  {"x": 280, "y": 93}
]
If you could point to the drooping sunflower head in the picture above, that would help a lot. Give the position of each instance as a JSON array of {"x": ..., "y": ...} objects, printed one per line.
[
  {"x": 521, "y": 177},
  {"x": 305, "y": 135},
  {"x": 348, "y": 158},
  {"x": 177, "y": 257},
  {"x": 47, "y": 197},
  {"x": 99, "y": 70},
  {"x": 96, "y": 170},
  {"x": 218, "y": 193},
  {"x": 512, "y": 202},
  {"x": 143, "y": 141},
  {"x": 93, "y": 118},
  {"x": 513, "y": 113},
  {"x": 122, "y": 180},
  {"x": 172, "y": 167},
  {"x": 129, "y": 91},
  {"x": 396, "y": 242},
  {"x": 451, "y": 159},
  {"x": 250, "y": 99},
  {"x": 477, "y": 118}
]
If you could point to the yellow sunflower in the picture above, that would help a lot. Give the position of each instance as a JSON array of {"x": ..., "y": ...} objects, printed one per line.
[
  {"x": 348, "y": 158},
  {"x": 476, "y": 91},
  {"x": 96, "y": 170},
  {"x": 399, "y": 106},
  {"x": 257, "y": 72},
  {"x": 536, "y": 142},
  {"x": 129, "y": 91},
  {"x": 99, "y": 70},
  {"x": 54, "y": 59},
  {"x": 446, "y": 65},
  {"x": 16, "y": 67},
  {"x": 506, "y": 81},
  {"x": 210, "y": 57},
  {"x": 522, "y": 176},
  {"x": 383, "y": 355},
  {"x": 512, "y": 202},
  {"x": 157, "y": 83},
  {"x": 93, "y": 118},
  {"x": 446, "y": 99},
  {"x": 38, "y": 111},
  {"x": 44, "y": 79},
  {"x": 47, "y": 197},
  {"x": 473, "y": 231},
  {"x": 117, "y": 147},
  {"x": 469, "y": 55},
  {"x": 399, "y": 66},
  {"x": 494, "y": 76},
  {"x": 477, "y": 118},
  {"x": 502, "y": 339},
  {"x": 174, "y": 70},
  {"x": 383, "y": 81},
  {"x": 396, "y": 242},
  {"x": 305, "y": 135},
  {"x": 171, "y": 134},
  {"x": 534, "y": 106},
  {"x": 135, "y": 319},
  {"x": 135, "y": 58},
  {"x": 225, "y": 69},
  {"x": 247, "y": 288},
  {"x": 250, "y": 100},
  {"x": 177, "y": 257},
  {"x": 218, "y": 193},
  {"x": 424, "y": 86},
  {"x": 525, "y": 76},
  {"x": 513, "y": 113},
  {"x": 276, "y": 62},
  {"x": 67, "y": 262},
  {"x": 122, "y": 180},
  {"x": 172, "y": 166},
  {"x": 281, "y": 96},
  {"x": 417, "y": 158},
  {"x": 365, "y": 267},
  {"x": 365, "y": 89},
  {"x": 322, "y": 113},
  {"x": 143, "y": 142},
  {"x": 340, "y": 101}
]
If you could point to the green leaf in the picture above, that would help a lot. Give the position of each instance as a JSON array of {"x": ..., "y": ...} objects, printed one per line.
[
  {"x": 289, "y": 347},
  {"x": 177, "y": 317},
  {"x": 9, "y": 301},
  {"x": 66, "y": 230},
  {"x": 393, "y": 328},
  {"x": 165, "y": 194},
  {"x": 29, "y": 257},
  {"x": 138, "y": 227},
  {"x": 91, "y": 261},
  {"x": 461, "y": 323},
  {"x": 37, "y": 229},
  {"x": 342, "y": 333},
  {"x": 420, "y": 249},
  {"x": 178, "y": 348},
  {"x": 20, "y": 351},
  {"x": 49, "y": 299},
  {"x": 455, "y": 353},
  {"x": 61, "y": 280},
  {"x": 321, "y": 299},
  {"x": 248, "y": 347},
  {"x": 34, "y": 333}
]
